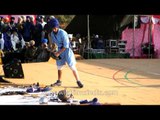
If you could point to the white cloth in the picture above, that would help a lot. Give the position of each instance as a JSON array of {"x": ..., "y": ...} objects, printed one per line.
[
  {"x": 22, "y": 42},
  {"x": 155, "y": 20},
  {"x": 2, "y": 43},
  {"x": 145, "y": 19},
  {"x": 14, "y": 41},
  {"x": 43, "y": 24}
]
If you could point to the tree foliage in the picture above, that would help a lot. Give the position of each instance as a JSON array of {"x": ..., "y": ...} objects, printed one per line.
[{"x": 64, "y": 19}]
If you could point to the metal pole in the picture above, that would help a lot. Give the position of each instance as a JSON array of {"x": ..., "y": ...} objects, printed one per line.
[
  {"x": 150, "y": 36},
  {"x": 133, "y": 35},
  {"x": 88, "y": 34}
]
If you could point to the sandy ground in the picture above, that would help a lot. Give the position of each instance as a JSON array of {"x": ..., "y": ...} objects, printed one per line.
[{"x": 112, "y": 81}]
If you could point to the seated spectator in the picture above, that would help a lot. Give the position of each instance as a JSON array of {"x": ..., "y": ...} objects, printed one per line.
[
  {"x": 30, "y": 53},
  {"x": 100, "y": 43},
  {"x": 17, "y": 40},
  {"x": 94, "y": 42},
  {"x": 1, "y": 56},
  {"x": 42, "y": 53},
  {"x": 70, "y": 40},
  {"x": 1, "y": 41},
  {"x": 14, "y": 39},
  {"x": 23, "y": 51}
]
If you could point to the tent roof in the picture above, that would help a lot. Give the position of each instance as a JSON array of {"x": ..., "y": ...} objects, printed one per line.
[{"x": 99, "y": 24}]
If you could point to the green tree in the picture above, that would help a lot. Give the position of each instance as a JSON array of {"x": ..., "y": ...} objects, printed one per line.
[{"x": 64, "y": 19}]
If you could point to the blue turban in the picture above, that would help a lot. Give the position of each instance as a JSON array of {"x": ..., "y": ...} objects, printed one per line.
[
  {"x": 54, "y": 23},
  {"x": 28, "y": 17},
  {"x": 44, "y": 40}
]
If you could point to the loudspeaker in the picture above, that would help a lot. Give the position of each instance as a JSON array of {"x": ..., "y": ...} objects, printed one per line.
[{"x": 13, "y": 69}]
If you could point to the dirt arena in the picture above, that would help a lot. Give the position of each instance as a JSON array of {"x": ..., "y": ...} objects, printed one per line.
[{"x": 112, "y": 81}]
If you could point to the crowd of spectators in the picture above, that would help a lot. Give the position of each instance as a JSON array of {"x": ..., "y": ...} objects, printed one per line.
[{"x": 26, "y": 37}]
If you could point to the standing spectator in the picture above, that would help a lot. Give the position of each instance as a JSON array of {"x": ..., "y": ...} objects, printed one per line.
[
  {"x": 1, "y": 23},
  {"x": 7, "y": 40},
  {"x": 27, "y": 29},
  {"x": 12, "y": 23},
  {"x": 42, "y": 20},
  {"x": 19, "y": 25},
  {"x": 23, "y": 19},
  {"x": 37, "y": 33},
  {"x": 5, "y": 25},
  {"x": 47, "y": 31}
]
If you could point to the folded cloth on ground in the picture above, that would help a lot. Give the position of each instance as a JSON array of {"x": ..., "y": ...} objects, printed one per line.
[
  {"x": 33, "y": 89},
  {"x": 94, "y": 101},
  {"x": 12, "y": 91}
]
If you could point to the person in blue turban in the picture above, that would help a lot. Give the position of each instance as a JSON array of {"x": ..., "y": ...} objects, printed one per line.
[
  {"x": 60, "y": 38},
  {"x": 54, "y": 23},
  {"x": 44, "y": 40}
]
